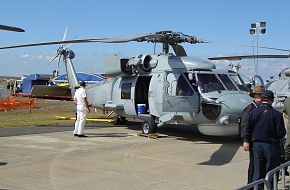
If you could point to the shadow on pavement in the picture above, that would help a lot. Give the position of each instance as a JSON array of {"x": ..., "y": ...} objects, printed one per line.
[
  {"x": 3, "y": 163},
  {"x": 223, "y": 155}
]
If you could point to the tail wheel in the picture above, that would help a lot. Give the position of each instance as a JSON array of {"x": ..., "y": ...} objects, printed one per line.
[{"x": 149, "y": 126}]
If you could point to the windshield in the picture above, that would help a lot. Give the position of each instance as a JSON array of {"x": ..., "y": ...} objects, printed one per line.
[
  {"x": 227, "y": 82},
  {"x": 239, "y": 82},
  {"x": 209, "y": 82}
]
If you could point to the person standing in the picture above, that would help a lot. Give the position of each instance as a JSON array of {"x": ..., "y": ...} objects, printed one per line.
[
  {"x": 267, "y": 128},
  {"x": 286, "y": 111},
  {"x": 244, "y": 122},
  {"x": 82, "y": 107}
]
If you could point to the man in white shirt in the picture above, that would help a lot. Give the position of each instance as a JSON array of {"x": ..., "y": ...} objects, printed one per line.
[{"x": 82, "y": 108}]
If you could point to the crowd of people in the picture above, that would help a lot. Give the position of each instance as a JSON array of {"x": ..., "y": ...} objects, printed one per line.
[{"x": 10, "y": 86}]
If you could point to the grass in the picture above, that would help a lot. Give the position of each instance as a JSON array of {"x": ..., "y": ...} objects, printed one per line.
[{"x": 43, "y": 114}]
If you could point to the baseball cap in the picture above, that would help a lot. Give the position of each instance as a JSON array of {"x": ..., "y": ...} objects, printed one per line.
[
  {"x": 83, "y": 83},
  {"x": 268, "y": 94},
  {"x": 257, "y": 90}
]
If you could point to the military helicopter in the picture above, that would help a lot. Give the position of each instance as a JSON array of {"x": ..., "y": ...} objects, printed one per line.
[
  {"x": 280, "y": 86},
  {"x": 11, "y": 28},
  {"x": 163, "y": 88}
]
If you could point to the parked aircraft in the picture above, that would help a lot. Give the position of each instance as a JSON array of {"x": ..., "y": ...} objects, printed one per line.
[
  {"x": 280, "y": 86},
  {"x": 163, "y": 88}
]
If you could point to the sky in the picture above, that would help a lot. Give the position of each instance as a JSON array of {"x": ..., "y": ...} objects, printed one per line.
[{"x": 219, "y": 21}]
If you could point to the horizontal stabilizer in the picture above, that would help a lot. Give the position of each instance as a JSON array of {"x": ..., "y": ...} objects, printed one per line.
[{"x": 53, "y": 92}]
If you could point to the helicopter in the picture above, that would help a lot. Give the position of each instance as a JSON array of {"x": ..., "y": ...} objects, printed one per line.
[
  {"x": 163, "y": 88},
  {"x": 280, "y": 86},
  {"x": 11, "y": 28}
]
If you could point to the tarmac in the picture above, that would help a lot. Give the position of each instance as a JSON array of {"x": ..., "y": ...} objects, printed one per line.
[{"x": 114, "y": 158}]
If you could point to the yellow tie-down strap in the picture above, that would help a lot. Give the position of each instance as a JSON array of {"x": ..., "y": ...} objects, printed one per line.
[
  {"x": 151, "y": 136},
  {"x": 88, "y": 119}
]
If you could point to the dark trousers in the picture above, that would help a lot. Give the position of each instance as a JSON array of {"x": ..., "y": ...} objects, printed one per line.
[
  {"x": 271, "y": 153},
  {"x": 251, "y": 165}
]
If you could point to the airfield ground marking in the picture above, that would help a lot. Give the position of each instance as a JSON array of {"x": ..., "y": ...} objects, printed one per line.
[{"x": 88, "y": 119}]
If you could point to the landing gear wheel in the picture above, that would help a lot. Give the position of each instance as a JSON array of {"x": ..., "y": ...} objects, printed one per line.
[
  {"x": 149, "y": 126},
  {"x": 119, "y": 120},
  {"x": 123, "y": 121}
]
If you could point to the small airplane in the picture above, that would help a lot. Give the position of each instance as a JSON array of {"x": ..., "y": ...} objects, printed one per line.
[
  {"x": 11, "y": 28},
  {"x": 163, "y": 88}
]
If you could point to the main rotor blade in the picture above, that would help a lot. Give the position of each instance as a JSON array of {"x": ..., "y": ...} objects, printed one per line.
[
  {"x": 91, "y": 40},
  {"x": 240, "y": 57},
  {"x": 52, "y": 42},
  {"x": 11, "y": 28},
  {"x": 165, "y": 37},
  {"x": 244, "y": 45},
  {"x": 137, "y": 38}
]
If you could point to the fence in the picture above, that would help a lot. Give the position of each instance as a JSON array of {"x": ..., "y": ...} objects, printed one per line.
[
  {"x": 13, "y": 103},
  {"x": 271, "y": 180},
  {"x": 254, "y": 185}
]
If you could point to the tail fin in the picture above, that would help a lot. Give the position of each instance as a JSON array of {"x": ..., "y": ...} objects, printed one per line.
[{"x": 70, "y": 70}]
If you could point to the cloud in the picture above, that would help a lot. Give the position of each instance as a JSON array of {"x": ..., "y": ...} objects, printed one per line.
[{"x": 24, "y": 56}]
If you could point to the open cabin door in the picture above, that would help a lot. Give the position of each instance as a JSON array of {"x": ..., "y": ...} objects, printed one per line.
[
  {"x": 178, "y": 94},
  {"x": 141, "y": 93}
]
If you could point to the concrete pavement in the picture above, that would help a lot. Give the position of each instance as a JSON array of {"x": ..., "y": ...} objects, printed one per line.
[{"x": 115, "y": 158}]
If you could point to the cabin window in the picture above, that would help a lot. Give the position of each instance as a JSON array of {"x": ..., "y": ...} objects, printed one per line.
[
  {"x": 227, "y": 82},
  {"x": 209, "y": 82},
  {"x": 126, "y": 91},
  {"x": 178, "y": 85}
]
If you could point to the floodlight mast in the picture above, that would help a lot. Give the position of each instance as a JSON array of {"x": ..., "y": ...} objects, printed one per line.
[{"x": 257, "y": 29}]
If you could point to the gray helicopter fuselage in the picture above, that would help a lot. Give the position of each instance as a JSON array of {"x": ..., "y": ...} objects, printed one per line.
[
  {"x": 172, "y": 92},
  {"x": 163, "y": 88},
  {"x": 281, "y": 88}
]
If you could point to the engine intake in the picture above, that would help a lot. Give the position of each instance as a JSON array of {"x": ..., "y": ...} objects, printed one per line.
[{"x": 141, "y": 64}]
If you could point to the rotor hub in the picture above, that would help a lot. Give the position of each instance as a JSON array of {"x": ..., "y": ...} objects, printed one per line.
[{"x": 169, "y": 37}]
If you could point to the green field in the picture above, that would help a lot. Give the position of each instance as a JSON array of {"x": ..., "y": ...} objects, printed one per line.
[{"x": 43, "y": 114}]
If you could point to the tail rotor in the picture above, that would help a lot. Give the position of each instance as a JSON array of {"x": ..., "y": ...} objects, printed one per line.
[{"x": 61, "y": 51}]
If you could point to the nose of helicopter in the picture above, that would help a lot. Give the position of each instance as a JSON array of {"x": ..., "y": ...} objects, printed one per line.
[
  {"x": 226, "y": 114},
  {"x": 233, "y": 103}
]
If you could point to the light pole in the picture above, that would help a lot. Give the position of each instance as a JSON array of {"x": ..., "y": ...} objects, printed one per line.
[{"x": 257, "y": 29}]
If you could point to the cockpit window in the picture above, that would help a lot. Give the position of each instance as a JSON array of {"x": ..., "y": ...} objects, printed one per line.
[
  {"x": 240, "y": 83},
  {"x": 178, "y": 86},
  {"x": 209, "y": 82},
  {"x": 227, "y": 82}
]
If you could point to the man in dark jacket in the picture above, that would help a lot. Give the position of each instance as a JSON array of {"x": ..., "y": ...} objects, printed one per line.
[
  {"x": 244, "y": 122},
  {"x": 267, "y": 128}
]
